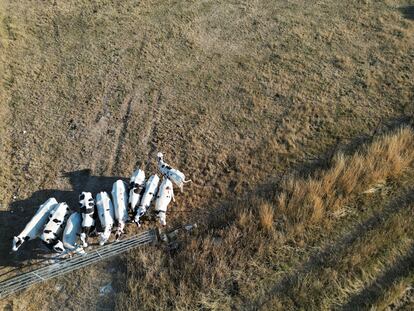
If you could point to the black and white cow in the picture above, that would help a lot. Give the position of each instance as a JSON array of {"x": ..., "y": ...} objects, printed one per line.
[
  {"x": 106, "y": 215},
  {"x": 54, "y": 227},
  {"x": 150, "y": 191},
  {"x": 164, "y": 197},
  {"x": 35, "y": 226},
  {"x": 88, "y": 211},
  {"x": 120, "y": 200},
  {"x": 173, "y": 174},
  {"x": 136, "y": 189},
  {"x": 72, "y": 232}
]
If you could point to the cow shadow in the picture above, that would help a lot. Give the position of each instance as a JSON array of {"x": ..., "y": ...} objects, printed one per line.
[
  {"x": 13, "y": 221},
  {"x": 408, "y": 12}
]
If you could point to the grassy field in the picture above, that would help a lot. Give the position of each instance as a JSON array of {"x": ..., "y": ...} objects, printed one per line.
[{"x": 283, "y": 113}]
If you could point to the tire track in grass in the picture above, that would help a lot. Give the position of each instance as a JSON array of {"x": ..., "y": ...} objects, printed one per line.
[
  {"x": 121, "y": 132},
  {"x": 149, "y": 139}
]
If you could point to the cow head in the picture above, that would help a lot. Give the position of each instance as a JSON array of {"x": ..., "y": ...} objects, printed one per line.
[
  {"x": 136, "y": 220},
  {"x": 162, "y": 217},
  {"x": 102, "y": 238},
  {"x": 58, "y": 247},
  {"x": 118, "y": 234},
  {"x": 83, "y": 238},
  {"x": 79, "y": 250},
  {"x": 160, "y": 156},
  {"x": 17, "y": 242},
  {"x": 140, "y": 213}
]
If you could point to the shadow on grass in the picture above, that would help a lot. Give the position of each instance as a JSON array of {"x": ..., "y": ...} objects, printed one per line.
[
  {"x": 349, "y": 146},
  {"x": 408, "y": 12},
  {"x": 222, "y": 215},
  {"x": 13, "y": 221},
  {"x": 332, "y": 252},
  {"x": 402, "y": 268}
]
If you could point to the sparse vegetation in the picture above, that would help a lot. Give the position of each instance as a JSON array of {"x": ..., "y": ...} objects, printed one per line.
[
  {"x": 222, "y": 266},
  {"x": 250, "y": 99}
]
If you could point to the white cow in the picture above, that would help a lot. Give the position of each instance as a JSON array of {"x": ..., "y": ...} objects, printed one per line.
[
  {"x": 120, "y": 199},
  {"x": 35, "y": 226},
  {"x": 106, "y": 215},
  {"x": 55, "y": 226},
  {"x": 72, "y": 232},
  {"x": 175, "y": 175},
  {"x": 88, "y": 212},
  {"x": 150, "y": 191},
  {"x": 136, "y": 189},
  {"x": 164, "y": 197}
]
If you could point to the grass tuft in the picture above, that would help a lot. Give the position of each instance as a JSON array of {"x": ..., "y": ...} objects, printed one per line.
[
  {"x": 266, "y": 217},
  {"x": 312, "y": 199}
]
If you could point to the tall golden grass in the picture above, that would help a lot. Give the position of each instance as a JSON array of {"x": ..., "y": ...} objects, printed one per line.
[
  {"x": 308, "y": 201},
  {"x": 266, "y": 217},
  {"x": 214, "y": 267}
]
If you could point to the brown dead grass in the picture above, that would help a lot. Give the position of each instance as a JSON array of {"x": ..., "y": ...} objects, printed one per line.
[
  {"x": 266, "y": 216},
  {"x": 4, "y": 111},
  {"x": 364, "y": 270},
  {"x": 233, "y": 92},
  {"x": 218, "y": 268},
  {"x": 311, "y": 200}
]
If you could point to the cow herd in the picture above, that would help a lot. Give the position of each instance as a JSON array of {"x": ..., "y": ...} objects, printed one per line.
[{"x": 63, "y": 231}]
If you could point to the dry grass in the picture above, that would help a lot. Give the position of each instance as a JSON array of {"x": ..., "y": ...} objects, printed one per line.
[
  {"x": 4, "y": 109},
  {"x": 313, "y": 199},
  {"x": 235, "y": 93},
  {"x": 266, "y": 216},
  {"x": 366, "y": 269},
  {"x": 218, "y": 268}
]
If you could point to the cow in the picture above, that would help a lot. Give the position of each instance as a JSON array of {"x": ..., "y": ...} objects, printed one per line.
[
  {"x": 164, "y": 197},
  {"x": 174, "y": 175},
  {"x": 72, "y": 232},
  {"x": 106, "y": 215},
  {"x": 88, "y": 211},
  {"x": 120, "y": 200},
  {"x": 150, "y": 190},
  {"x": 54, "y": 227},
  {"x": 35, "y": 226},
  {"x": 136, "y": 189}
]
